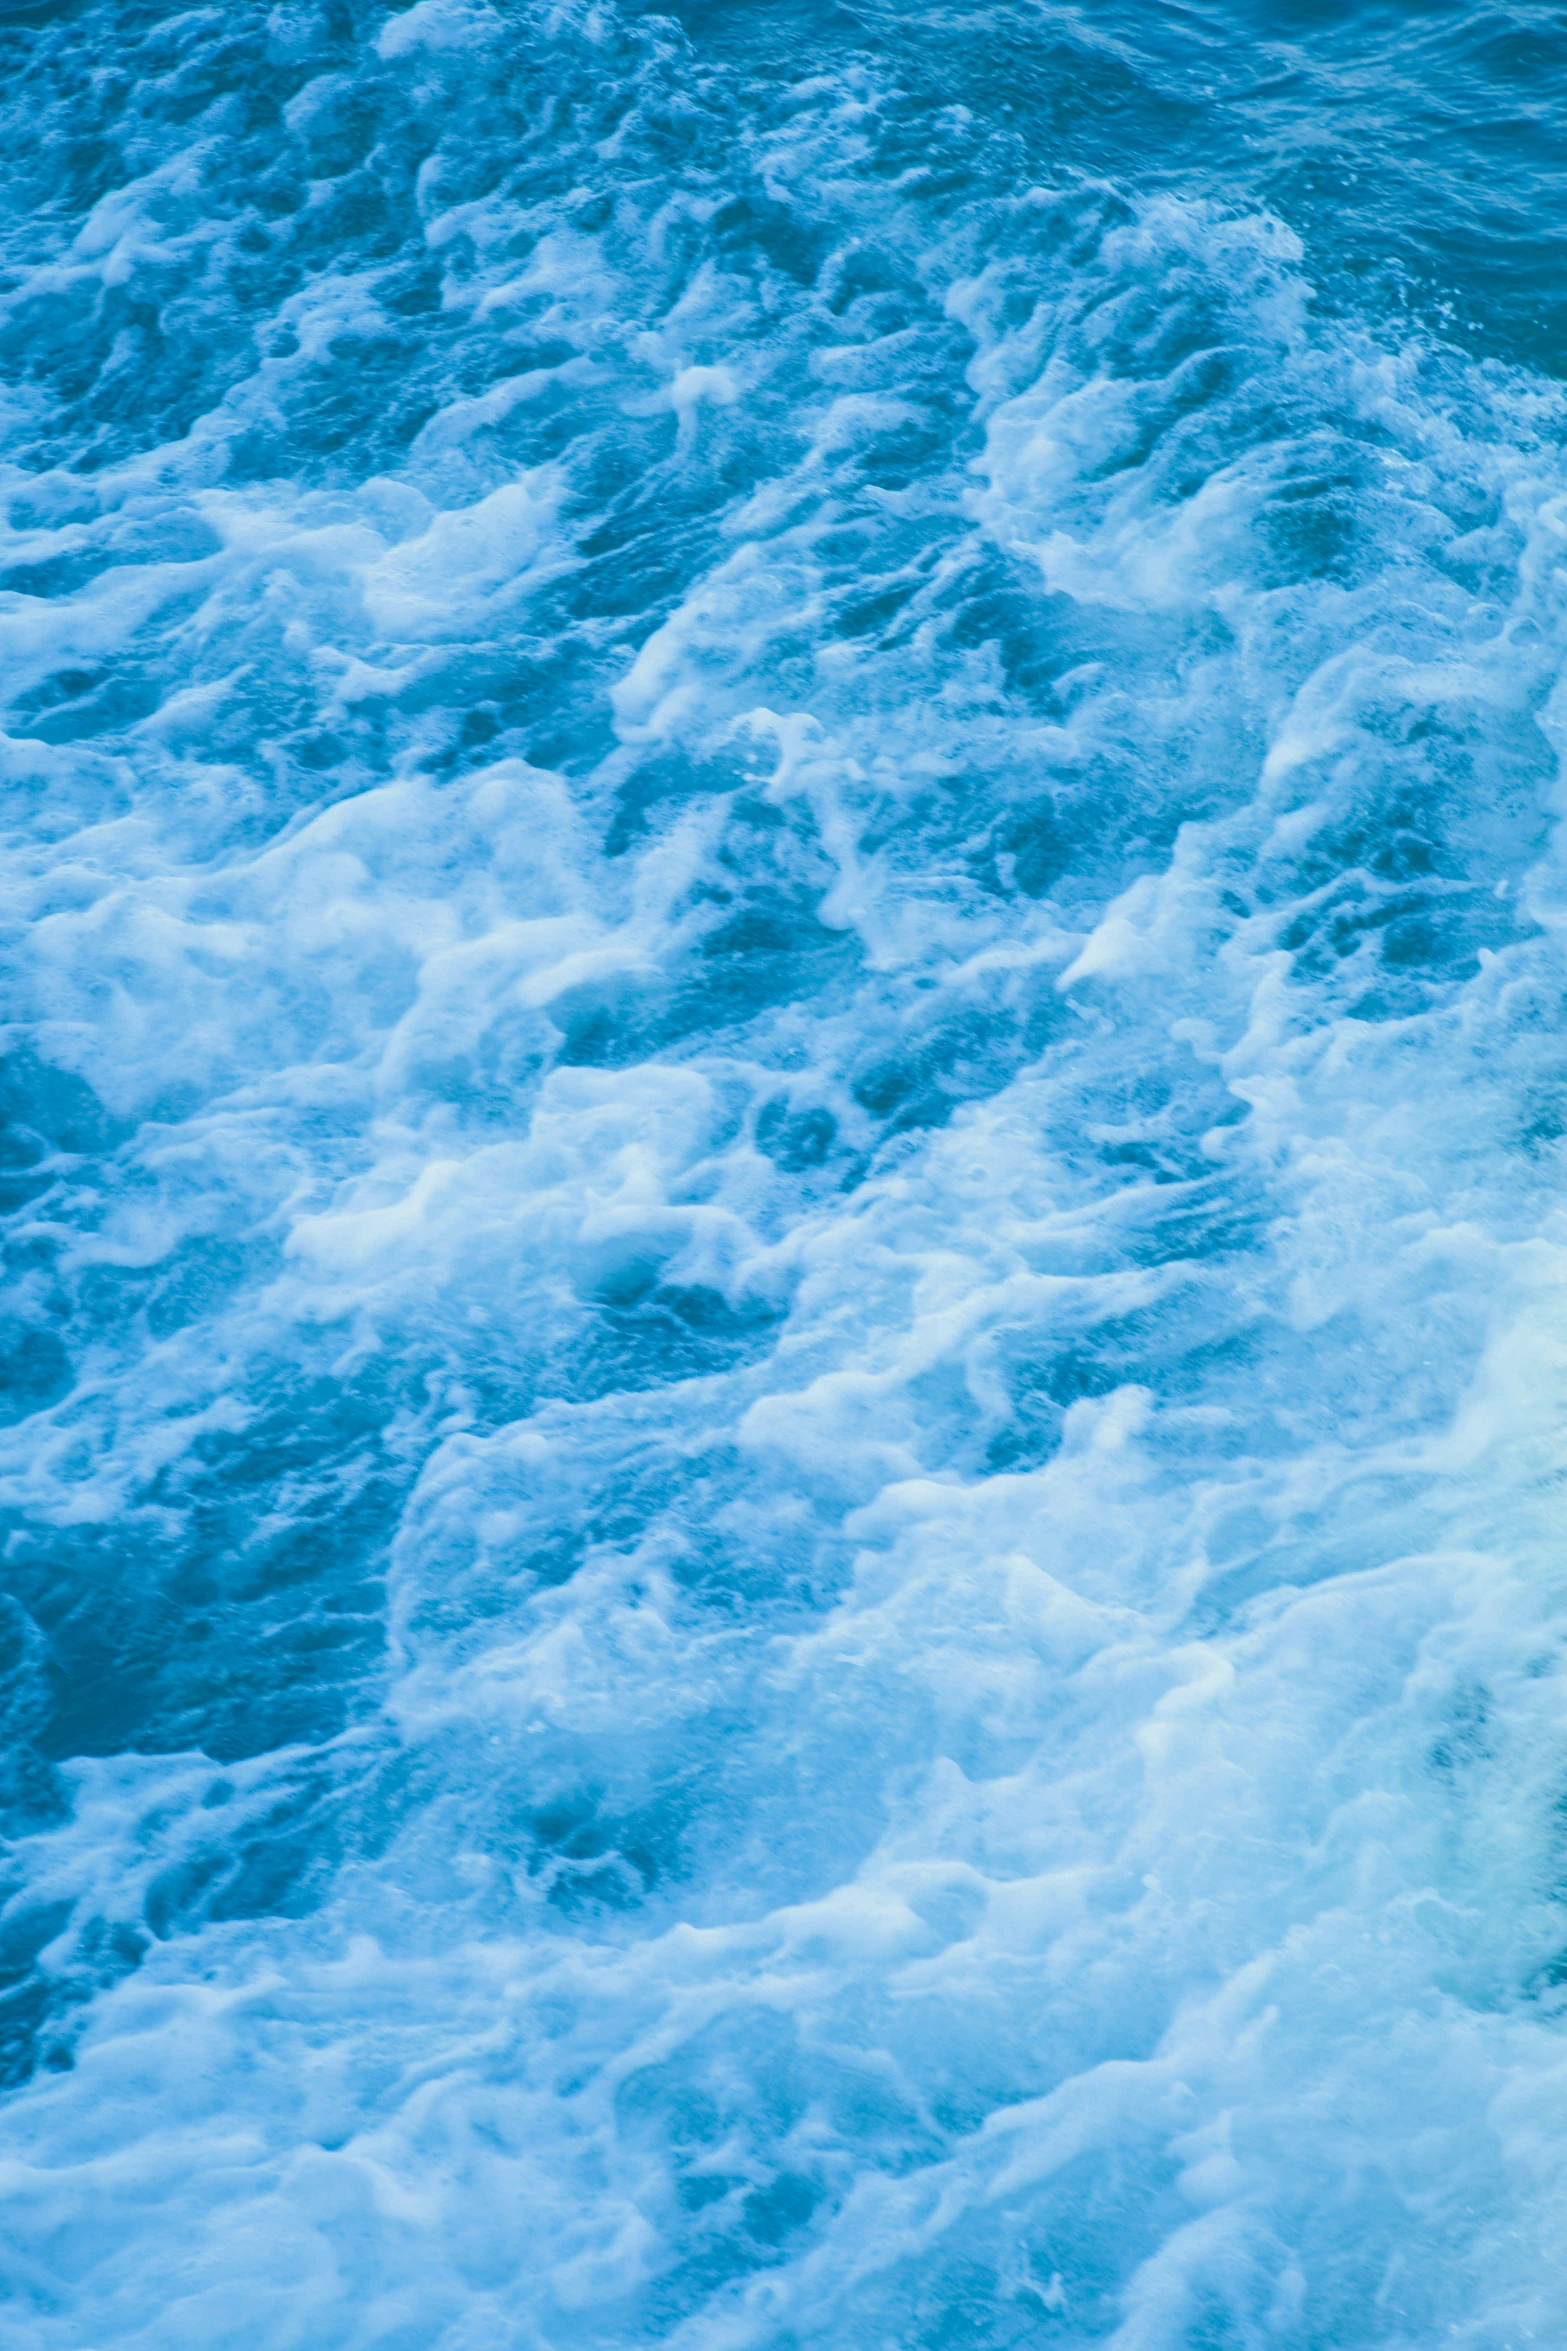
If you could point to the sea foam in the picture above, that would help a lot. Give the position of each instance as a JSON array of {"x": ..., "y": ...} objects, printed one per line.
[{"x": 784, "y": 1306}]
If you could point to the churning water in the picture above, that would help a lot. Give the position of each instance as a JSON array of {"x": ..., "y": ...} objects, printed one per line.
[{"x": 785, "y": 1334}]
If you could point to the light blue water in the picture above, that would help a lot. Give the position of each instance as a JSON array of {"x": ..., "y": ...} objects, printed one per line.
[{"x": 785, "y": 1334}]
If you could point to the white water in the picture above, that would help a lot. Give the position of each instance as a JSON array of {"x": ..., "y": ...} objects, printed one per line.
[{"x": 910, "y": 1249}]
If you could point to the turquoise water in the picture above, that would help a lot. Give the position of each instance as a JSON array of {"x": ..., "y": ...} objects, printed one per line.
[{"x": 785, "y": 1336}]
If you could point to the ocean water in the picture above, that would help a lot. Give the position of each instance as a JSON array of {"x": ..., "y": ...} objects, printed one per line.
[{"x": 785, "y": 1328}]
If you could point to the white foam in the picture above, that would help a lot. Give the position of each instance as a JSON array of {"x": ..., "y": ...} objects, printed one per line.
[{"x": 1013, "y": 1769}]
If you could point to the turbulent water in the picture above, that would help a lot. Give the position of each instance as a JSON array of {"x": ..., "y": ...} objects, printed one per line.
[{"x": 785, "y": 1330}]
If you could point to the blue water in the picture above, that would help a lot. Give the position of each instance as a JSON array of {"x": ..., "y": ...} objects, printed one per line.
[{"x": 785, "y": 1331}]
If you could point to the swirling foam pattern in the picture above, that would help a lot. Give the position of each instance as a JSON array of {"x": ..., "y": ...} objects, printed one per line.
[{"x": 785, "y": 1333}]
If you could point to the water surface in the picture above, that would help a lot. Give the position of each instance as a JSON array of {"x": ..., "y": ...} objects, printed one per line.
[{"x": 785, "y": 1326}]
